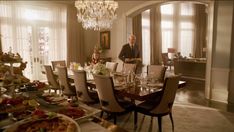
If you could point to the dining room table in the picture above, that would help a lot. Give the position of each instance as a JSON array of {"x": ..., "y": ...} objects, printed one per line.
[{"x": 134, "y": 90}]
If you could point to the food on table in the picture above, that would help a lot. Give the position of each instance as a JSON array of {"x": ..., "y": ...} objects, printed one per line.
[
  {"x": 39, "y": 84},
  {"x": 14, "y": 79},
  {"x": 19, "y": 115},
  {"x": 74, "y": 113},
  {"x": 45, "y": 122},
  {"x": 12, "y": 101},
  {"x": 17, "y": 104},
  {"x": 55, "y": 124},
  {"x": 53, "y": 98},
  {"x": 10, "y": 57}
]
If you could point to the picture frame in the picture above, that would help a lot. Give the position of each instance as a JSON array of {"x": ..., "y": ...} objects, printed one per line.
[{"x": 105, "y": 39}]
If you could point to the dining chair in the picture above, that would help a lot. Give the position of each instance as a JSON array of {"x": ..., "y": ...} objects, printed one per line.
[
  {"x": 112, "y": 66},
  {"x": 83, "y": 93},
  {"x": 128, "y": 67},
  {"x": 58, "y": 63},
  {"x": 161, "y": 106},
  {"x": 107, "y": 97},
  {"x": 157, "y": 71},
  {"x": 166, "y": 60},
  {"x": 67, "y": 89},
  {"x": 51, "y": 78}
]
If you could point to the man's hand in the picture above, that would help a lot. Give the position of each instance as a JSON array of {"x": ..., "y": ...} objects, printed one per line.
[
  {"x": 128, "y": 60},
  {"x": 132, "y": 59}
]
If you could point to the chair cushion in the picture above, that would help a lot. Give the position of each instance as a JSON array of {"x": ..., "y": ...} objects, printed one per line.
[
  {"x": 71, "y": 92},
  {"x": 146, "y": 106},
  {"x": 127, "y": 105},
  {"x": 93, "y": 95}
]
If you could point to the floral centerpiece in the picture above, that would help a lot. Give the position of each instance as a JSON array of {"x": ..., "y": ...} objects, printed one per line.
[{"x": 100, "y": 69}]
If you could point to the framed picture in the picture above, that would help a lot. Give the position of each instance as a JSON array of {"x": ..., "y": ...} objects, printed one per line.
[{"x": 105, "y": 39}]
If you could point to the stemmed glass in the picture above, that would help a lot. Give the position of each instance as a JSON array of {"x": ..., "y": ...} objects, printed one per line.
[{"x": 143, "y": 78}]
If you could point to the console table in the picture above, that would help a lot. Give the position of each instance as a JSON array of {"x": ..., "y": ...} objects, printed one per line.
[{"x": 195, "y": 69}]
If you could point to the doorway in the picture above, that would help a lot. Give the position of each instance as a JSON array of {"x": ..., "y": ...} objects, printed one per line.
[{"x": 36, "y": 32}]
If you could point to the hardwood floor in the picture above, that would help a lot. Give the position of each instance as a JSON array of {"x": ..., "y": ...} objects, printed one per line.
[{"x": 194, "y": 93}]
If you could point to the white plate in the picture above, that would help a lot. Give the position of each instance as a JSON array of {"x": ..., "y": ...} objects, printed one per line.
[{"x": 13, "y": 127}]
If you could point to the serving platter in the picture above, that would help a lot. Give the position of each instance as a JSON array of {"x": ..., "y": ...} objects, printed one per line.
[
  {"x": 71, "y": 127},
  {"x": 86, "y": 112}
]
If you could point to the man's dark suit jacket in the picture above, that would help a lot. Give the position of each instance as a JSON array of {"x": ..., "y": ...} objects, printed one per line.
[{"x": 127, "y": 52}]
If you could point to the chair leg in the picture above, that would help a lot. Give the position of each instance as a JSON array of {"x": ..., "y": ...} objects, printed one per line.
[
  {"x": 101, "y": 114},
  {"x": 135, "y": 119},
  {"x": 115, "y": 118},
  {"x": 172, "y": 122},
  {"x": 159, "y": 123}
]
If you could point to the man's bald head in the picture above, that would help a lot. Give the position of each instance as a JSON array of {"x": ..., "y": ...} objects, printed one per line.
[{"x": 132, "y": 39}]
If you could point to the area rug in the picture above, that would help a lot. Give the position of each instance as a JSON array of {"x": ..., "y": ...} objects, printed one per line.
[{"x": 187, "y": 118}]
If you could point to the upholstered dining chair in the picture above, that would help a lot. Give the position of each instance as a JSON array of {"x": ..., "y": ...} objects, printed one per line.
[
  {"x": 107, "y": 97},
  {"x": 166, "y": 60},
  {"x": 82, "y": 91},
  {"x": 157, "y": 71},
  {"x": 162, "y": 105},
  {"x": 127, "y": 67},
  {"x": 58, "y": 63},
  {"x": 51, "y": 78},
  {"x": 112, "y": 66},
  {"x": 67, "y": 89}
]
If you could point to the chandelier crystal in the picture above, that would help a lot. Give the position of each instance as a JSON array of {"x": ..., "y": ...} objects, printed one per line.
[{"x": 96, "y": 14}]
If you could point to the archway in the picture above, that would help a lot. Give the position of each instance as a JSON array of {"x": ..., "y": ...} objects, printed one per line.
[{"x": 210, "y": 11}]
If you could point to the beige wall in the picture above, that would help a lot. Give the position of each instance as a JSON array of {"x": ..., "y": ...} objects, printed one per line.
[{"x": 221, "y": 50}]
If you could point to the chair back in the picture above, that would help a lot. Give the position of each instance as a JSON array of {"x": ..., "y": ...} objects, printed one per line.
[
  {"x": 127, "y": 67},
  {"x": 169, "y": 91},
  {"x": 112, "y": 66},
  {"x": 105, "y": 89},
  {"x": 63, "y": 81},
  {"x": 80, "y": 80},
  {"x": 165, "y": 58},
  {"x": 157, "y": 71},
  {"x": 58, "y": 63},
  {"x": 51, "y": 77}
]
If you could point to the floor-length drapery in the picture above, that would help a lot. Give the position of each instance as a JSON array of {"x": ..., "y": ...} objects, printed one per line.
[
  {"x": 155, "y": 35},
  {"x": 75, "y": 35},
  {"x": 0, "y": 42},
  {"x": 35, "y": 30},
  {"x": 137, "y": 31},
  {"x": 200, "y": 22}
]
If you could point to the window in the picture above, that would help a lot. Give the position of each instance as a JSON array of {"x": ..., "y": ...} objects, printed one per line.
[
  {"x": 177, "y": 27},
  {"x": 146, "y": 37},
  {"x": 37, "y": 33}
]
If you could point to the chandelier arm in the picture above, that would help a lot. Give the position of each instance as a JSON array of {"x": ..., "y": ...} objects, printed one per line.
[{"x": 96, "y": 15}]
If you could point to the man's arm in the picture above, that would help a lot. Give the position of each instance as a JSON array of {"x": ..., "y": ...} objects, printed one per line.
[{"x": 121, "y": 54}]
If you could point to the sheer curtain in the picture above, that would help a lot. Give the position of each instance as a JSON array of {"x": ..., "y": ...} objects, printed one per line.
[
  {"x": 146, "y": 37},
  {"x": 35, "y": 30},
  {"x": 178, "y": 27}
]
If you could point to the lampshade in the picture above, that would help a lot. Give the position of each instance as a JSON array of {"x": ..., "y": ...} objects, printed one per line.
[{"x": 171, "y": 50}]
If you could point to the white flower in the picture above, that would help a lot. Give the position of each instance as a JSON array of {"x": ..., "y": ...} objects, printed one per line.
[{"x": 100, "y": 69}]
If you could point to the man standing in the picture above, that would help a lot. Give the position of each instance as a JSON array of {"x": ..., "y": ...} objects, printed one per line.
[{"x": 129, "y": 52}]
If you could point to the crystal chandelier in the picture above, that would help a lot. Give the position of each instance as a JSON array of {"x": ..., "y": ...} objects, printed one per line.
[{"x": 96, "y": 14}]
